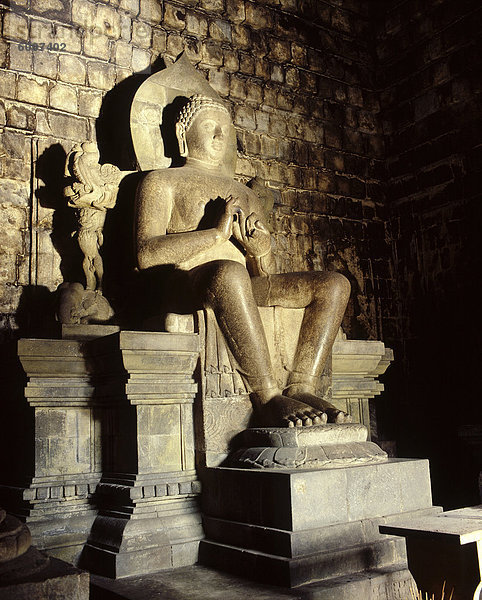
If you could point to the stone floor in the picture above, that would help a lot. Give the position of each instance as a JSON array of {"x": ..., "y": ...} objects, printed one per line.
[{"x": 202, "y": 583}]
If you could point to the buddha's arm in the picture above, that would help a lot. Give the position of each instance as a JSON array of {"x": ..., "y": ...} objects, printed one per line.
[
  {"x": 261, "y": 266},
  {"x": 155, "y": 246}
]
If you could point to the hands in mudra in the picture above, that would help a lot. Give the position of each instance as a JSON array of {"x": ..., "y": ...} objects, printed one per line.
[{"x": 249, "y": 230}]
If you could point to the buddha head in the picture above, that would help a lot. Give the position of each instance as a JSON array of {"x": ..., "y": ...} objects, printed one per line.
[{"x": 202, "y": 130}]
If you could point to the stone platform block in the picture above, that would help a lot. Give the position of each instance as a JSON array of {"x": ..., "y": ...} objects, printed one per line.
[
  {"x": 295, "y": 544},
  {"x": 290, "y": 527},
  {"x": 297, "y": 571},
  {"x": 297, "y": 500}
]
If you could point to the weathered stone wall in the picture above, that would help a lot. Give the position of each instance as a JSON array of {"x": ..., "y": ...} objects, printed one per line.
[
  {"x": 299, "y": 77},
  {"x": 430, "y": 75}
]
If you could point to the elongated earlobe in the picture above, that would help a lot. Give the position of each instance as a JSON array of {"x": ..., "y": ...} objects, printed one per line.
[{"x": 181, "y": 139}]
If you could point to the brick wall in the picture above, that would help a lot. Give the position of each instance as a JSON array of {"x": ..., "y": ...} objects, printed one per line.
[
  {"x": 430, "y": 76},
  {"x": 299, "y": 77}
]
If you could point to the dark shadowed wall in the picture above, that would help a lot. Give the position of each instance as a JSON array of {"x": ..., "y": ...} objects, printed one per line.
[{"x": 429, "y": 73}]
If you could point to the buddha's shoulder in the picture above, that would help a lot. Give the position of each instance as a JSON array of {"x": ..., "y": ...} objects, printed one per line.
[
  {"x": 160, "y": 176},
  {"x": 240, "y": 187},
  {"x": 185, "y": 175}
]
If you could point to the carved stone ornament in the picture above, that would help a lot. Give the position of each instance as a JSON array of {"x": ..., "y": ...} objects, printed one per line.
[
  {"x": 324, "y": 446},
  {"x": 92, "y": 190}
]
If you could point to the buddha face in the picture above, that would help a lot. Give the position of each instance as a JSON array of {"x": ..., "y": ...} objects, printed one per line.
[{"x": 207, "y": 137}]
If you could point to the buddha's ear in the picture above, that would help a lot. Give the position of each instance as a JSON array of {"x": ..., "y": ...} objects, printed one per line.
[{"x": 181, "y": 139}]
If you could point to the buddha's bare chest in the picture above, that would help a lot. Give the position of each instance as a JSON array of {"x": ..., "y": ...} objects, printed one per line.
[{"x": 199, "y": 203}]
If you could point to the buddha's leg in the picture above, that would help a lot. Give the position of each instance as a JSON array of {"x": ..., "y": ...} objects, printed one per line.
[
  {"x": 225, "y": 287},
  {"x": 324, "y": 296}
]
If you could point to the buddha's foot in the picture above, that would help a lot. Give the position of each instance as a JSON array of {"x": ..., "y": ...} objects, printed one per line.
[
  {"x": 335, "y": 415},
  {"x": 282, "y": 411}
]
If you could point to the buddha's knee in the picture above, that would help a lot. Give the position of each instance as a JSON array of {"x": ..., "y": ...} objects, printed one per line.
[
  {"x": 227, "y": 277},
  {"x": 333, "y": 284},
  {"x": 340, "y": 285}
]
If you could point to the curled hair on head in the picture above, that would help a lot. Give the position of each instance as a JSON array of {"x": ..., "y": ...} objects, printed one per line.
[{"x": 190, "y": 110}]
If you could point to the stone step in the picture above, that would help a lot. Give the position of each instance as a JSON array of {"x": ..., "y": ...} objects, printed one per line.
[
  {"x": 292, "y": 572},
  {"x": 203, "y": 583},
  {"x": 292, "y": 544}
]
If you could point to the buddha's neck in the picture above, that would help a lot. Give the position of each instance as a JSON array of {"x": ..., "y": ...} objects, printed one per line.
[{"x": 203, "y": 165}]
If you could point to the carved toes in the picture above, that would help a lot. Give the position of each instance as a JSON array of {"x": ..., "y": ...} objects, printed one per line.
[
  {"x": 318, "y": 417},
  {"x": 342, "y": 417}
]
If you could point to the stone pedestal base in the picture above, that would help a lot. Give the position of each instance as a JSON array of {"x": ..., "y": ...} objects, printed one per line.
[
  {"x": 113, "y": 461},
  {"x": 294, "y": 527},
  {"x": 165, "y": 536},
  {"x": 149, "y": 516},
  {"x": 54, "y": 498},
  {"x": 320, "y": 446}
]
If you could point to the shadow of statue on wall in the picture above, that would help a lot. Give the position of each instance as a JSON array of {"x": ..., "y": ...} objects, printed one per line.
[
  {"x": 114, "y": 141},
  {"x": 50, "y": 171}
]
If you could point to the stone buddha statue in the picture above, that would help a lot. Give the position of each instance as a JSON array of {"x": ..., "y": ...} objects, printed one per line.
[{"x": 211, "y": 229}]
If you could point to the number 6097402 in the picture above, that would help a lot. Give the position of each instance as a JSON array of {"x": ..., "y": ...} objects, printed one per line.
[{"x": 40, "y": 46}]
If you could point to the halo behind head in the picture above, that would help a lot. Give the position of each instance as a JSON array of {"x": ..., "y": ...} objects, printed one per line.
[{"x": 159, "y": 91}]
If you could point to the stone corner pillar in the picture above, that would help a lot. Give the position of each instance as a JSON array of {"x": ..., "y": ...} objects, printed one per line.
[
  {"x": 148, "y": 495},
  {"x": 356, "y": 365},
  {"x": 55, "y": 497}
]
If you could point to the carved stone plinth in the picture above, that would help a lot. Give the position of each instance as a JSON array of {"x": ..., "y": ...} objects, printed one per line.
[
  {"x": 147, "y": 498},
  {"x": 322, "y": 446},
  {"x": 292, "y": 527},
  {"x": 56, "y": 499},
  {"x": 121, "y": 407}
]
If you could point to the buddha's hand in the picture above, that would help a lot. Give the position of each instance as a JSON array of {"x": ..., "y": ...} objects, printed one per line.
[
  {"x": 225, "y": 223},
  {"x": 253, "y": 235}
]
